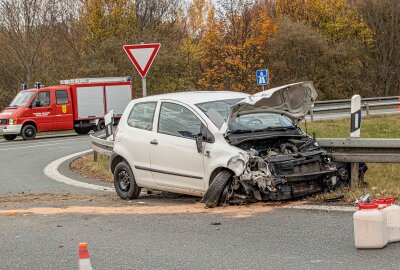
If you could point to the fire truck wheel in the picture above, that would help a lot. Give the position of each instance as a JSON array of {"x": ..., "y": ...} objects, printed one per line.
[
  {"x": 82, "y": 131},
  {"x": 124, "y": 182},
  {"x": 28, "y": 132},
  {"x": 10, "y": 137}
]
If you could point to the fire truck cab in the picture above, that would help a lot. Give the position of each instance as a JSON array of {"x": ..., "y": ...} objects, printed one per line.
[{"x": 78, "y": 104}]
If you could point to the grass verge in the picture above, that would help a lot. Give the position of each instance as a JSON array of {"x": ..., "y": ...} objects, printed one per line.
[
  {"x": 87, "y": 167},
  {"x": 382, "y": 180}
]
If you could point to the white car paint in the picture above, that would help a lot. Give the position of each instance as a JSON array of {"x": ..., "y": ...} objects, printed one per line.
[{"x": 189, "y": 170}]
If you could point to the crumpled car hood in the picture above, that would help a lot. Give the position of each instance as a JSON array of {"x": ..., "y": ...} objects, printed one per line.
[{"x": 293, "y": 100}]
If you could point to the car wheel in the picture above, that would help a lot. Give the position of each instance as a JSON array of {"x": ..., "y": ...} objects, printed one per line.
[
  {"x": 81, "y": 131},
  {"x": 28, "y": 132},
  {"x": 124, "y": 182},
  {"x": 10, "y": 137},
  {"x": 212, "y": 197}
]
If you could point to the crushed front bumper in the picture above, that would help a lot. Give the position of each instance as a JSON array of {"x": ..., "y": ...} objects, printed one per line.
[{"x": 10, "y": 130}]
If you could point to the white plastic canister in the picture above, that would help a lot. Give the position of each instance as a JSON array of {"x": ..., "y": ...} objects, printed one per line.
[
  {"x": 370, "y": 227},
  {"x": 392, "y": 212}
]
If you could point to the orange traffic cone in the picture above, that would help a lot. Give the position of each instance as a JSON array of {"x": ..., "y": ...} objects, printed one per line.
[{"x": 84, "y": 258}]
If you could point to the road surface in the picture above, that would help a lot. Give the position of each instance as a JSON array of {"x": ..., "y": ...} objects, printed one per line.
[{"x": 42, "y": 222}]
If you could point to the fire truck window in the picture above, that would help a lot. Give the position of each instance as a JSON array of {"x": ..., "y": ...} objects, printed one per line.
[
  {"x": 62, "y": 97},
  {"x": 43, "y": 98}
]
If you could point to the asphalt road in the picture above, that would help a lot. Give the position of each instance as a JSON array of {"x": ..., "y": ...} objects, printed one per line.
[
  {"x": 281, "y": 239},
  {"x": 22, "y": 163},
  {"x": 278, "y": 239}
]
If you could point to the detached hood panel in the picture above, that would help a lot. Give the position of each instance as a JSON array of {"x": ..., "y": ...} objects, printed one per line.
[{"x": 293, "y": 100}]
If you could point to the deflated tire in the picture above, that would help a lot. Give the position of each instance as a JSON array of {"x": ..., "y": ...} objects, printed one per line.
[{"x": 212, "y": 197}]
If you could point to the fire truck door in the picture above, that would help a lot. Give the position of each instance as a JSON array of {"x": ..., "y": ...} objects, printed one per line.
[
  {"x": 63, "y": 118},
  {"x": 43, "y": 111}
]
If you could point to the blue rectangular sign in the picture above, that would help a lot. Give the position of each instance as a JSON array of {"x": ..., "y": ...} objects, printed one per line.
[{"x": 262, "y": 77}]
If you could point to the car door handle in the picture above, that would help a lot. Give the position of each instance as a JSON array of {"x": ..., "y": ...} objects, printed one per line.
[{"x": 154, "y": 142}]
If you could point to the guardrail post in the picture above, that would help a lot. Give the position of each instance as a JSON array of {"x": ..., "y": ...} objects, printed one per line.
[
  {"x": 354, "y": 181},
  {"x": 367, "y": 110},
  {"x": 312, "y": 114},
  {"x": 95, "y": 156}
]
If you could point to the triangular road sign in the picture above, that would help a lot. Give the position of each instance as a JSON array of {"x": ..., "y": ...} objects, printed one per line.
[{"x": 142, "y": 56}]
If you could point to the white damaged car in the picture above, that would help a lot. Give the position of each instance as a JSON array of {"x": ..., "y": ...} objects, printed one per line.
[{"x": 224, "y": 146}]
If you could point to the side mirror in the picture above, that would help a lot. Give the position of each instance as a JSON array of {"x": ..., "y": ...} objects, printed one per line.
[{"x": 199, "y": 142}]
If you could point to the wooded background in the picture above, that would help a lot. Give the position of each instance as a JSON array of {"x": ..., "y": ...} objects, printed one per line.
[{"x": 343, "y": 46}]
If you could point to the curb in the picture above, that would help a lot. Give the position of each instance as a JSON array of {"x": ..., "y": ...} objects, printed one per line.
[{"x": 52, "y": 172}]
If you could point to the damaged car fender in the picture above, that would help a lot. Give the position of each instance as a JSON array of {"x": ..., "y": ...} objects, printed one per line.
[{"x": 221, "y": 155}]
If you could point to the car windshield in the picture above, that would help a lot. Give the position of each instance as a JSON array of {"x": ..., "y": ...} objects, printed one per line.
[
  {"x": 22, "y": 98},
  {"x": 218, "y": 111},
  {"x": 259, "y": 122}
]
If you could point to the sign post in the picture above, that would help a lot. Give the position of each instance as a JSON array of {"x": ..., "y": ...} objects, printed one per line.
[
  {"x": 142, "y": 56},
  {"x": 262, "y": 78}
]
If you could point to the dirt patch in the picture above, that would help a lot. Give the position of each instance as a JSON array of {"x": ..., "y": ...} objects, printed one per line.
[
  {"x": 87, "y": 167},
  {"x": 142, "y": 209},
  {"x": 107, "y": 204}
]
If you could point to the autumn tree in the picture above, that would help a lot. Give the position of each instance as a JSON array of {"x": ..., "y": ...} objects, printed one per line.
[{"x": 235, "y": 45}]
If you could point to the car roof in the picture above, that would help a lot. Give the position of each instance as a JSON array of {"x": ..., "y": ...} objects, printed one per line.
[{"x": 195, "y": 97}]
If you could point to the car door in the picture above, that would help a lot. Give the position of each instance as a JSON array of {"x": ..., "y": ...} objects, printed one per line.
[
  {"x": 175, "y": 161},
  {"x": 43, "y": 111},
  {"x": 136, "y": 137},
  {"x": 63, "y": 118}
]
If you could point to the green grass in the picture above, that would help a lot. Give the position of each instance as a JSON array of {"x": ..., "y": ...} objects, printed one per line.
[
  {"x": 381, "y": 179},
  {"x": 379, "y": 126}
]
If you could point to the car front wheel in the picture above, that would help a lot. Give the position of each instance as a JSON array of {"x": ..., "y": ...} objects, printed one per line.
[
  {"x": 213, "y": 195},
  {"x": 28, "y": 132},
  {"x": 124, "y": 182}
]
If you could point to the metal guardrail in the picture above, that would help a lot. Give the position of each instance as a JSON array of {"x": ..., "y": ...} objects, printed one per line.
[
  {"x": 352, "y": 150},
  {"x": 100, "y": 145},
  {"x": 362, "y": 149},
  {"x": 341, "y": 149},
  {"x": 367, "y": 104}
]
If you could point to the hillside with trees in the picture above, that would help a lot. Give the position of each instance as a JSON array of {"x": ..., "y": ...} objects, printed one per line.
[{"x": 344, "y": 46}]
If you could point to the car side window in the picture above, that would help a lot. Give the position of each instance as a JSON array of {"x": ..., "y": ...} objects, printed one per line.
[
  {"x": 61, "y": 97},
  {"x": 43, "y": 98},
  {"x": 176, "y": 120},
  {"x": 142, "y": 115}
]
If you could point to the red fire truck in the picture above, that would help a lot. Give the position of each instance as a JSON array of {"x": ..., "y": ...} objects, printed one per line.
[{"x": 78, "y": 104}]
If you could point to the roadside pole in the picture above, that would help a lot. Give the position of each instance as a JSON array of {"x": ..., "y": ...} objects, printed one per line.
[
  {"x": 355, "y": 128},
  {"x": 144, "y": 86}
]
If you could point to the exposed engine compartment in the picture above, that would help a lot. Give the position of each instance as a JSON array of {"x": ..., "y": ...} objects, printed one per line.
[{"x": 285, "y": 167}]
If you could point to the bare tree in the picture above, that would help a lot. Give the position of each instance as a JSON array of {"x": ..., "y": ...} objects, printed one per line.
[{"x": 383, "y": 16}]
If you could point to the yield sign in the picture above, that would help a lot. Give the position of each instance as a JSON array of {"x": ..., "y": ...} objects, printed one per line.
[{"x": 142, "y": 56}]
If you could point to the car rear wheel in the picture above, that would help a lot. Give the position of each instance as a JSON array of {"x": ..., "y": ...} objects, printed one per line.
[
  {"x": 10, "y": 137},
  {"x": 124, "y": 182},
  {"x": 28, "y": 132},
  {"x": 212, "y": 197}
]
